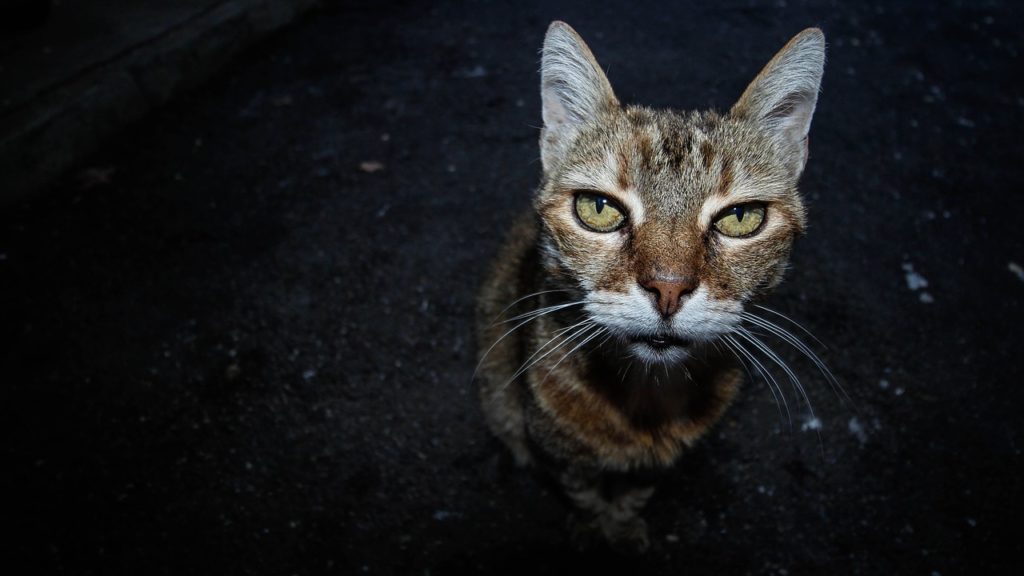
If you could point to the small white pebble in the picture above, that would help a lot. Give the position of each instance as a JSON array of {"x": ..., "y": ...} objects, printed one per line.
[
  {"x": 898, "y": 391},
  {"x": 812, "y": 424},
  {"x": 1016, "y": 270},
  {"x": 672, "y": 538},
  {"x": 914, "y": 280},
  {"x": 858, "y": 430},
  {"x": 965, "y": 122},
  {"x": 883, "y": 384},
  {"x": 926, "y": 298}
]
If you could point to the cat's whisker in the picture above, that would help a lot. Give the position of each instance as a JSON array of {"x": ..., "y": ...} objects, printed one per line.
[
  {"x": 565, "y": 341},
  {"x": 533, "y": 359},
  {"x": 625, "y": 371},
  {"x": 773, "y": 384},
  {"x": 595, "y": 334},
  {"x": 793, "y": 322},
  {"x": 534, "y": 295},
  {"x": 548, "y": 310},
  {"x": 502, "y": 337},
  {"x": 586, "y": 322},
  {"x": 496, "y": 342},
  {"x": 781, "y": 405},
  {"x": 803, "y": 348},
  {"x": 793, "y": 378},
  {"x": 505, "y": 335},
  {"x": 542, "y": 311}
]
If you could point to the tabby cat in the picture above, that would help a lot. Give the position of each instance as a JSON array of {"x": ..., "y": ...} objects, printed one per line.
[{"x": 651, "y": 231}]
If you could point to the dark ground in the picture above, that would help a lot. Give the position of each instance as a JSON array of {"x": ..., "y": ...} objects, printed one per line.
[{"x": 237, "y": 352}]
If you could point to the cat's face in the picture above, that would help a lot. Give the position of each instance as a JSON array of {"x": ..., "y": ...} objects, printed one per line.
[{"x": 665, "y": 223}]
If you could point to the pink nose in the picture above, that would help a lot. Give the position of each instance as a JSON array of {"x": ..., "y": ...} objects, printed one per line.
[{"x": 668, "y": 291}]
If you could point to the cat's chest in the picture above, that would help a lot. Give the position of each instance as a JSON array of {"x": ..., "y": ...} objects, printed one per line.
[{"x": 620, "y": 421}]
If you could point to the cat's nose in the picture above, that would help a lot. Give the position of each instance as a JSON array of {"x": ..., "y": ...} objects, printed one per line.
[{"x": 668, "y": 291}]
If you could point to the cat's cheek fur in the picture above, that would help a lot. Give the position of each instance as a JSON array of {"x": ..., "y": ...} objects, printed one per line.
[
  {"x": 746, "y": 273},
  {"x": 588, "y": 256},
  {"x": 743, "y": 268},
  {"x": 626, "y": 312},
  {"x": 704, "y": 317}
]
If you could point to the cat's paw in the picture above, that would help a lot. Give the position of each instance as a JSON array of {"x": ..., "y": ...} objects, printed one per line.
[
  {"x": 622, "y": 536},
  {"x": 626, "y": 536},
  {"x": 585, "y": 532}
]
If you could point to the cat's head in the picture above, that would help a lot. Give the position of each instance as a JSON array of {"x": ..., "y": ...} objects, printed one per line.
[{"x": 666, "y": 222}]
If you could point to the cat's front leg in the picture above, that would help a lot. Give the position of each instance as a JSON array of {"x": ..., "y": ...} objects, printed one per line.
[
  {"x": 598, "y": 519},
  {"x": 583, "y": 488},
  {"x": 621, "y": 522}
]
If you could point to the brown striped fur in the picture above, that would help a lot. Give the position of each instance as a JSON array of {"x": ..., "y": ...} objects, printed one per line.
[{"x": 613, "y": 404}]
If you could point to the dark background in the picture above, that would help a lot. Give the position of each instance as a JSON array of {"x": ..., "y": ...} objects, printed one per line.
[{"x": 239, "y": 352}]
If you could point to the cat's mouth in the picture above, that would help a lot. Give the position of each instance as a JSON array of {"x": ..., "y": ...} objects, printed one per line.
[{"x": 661, "y": 341}]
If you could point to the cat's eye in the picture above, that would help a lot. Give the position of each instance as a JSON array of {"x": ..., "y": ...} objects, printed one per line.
[
  {"x": 740, "y": 220},
  {"x": 599, "y": 213}
]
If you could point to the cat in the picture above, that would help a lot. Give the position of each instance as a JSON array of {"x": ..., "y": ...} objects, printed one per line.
[{"x": 650, "y": 232}]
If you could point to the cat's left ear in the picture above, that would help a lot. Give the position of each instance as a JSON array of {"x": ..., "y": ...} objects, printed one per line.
[{"x": 783, "y": 96}]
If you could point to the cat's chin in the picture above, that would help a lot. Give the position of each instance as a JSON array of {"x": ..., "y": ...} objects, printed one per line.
[{"x": 658, "y": 352}]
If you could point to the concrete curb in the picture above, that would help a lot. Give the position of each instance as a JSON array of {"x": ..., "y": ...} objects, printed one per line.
[{"x": 50, "y": 131}]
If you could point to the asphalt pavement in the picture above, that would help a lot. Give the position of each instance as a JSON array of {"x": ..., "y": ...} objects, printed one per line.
[{"x": 238, "y": 340}]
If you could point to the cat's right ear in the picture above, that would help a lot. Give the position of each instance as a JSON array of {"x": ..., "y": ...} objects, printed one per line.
[{"x": 573, "y": 91}]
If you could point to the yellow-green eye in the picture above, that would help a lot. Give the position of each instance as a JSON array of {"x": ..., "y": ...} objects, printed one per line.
[
  {"x": 740, "y": 220},
  {"x": 598, "y": 212}
]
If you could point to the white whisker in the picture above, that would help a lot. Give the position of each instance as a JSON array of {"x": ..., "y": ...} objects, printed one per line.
[
  {"x": 803, "y": 348},
  {"x": 773, "y": 384},
  {"x": 793, "y": 378},
  {"x": 595, "y": 334},
  {"x": 502, "y": 337},
  {"x": 541, "y": 311},
  {"x": 793, "y": 322},
  {"x": 531, "y": 361},
  {"x": 535, "y": 294}
]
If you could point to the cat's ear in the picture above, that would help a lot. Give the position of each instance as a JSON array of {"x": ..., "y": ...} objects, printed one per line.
[
  {"x": 783, "y": 96},
  {"x": 573, "y": 91}
]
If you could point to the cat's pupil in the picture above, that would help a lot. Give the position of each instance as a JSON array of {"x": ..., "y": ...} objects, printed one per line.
[
  {"x": 599, "y": 204},
  {"x": 739, "y": 213}
]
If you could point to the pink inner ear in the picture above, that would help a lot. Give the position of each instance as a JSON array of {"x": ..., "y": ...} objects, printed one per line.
[
  {"x": 789, "y": 106},
  {"x": 553, "y": 111}
]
